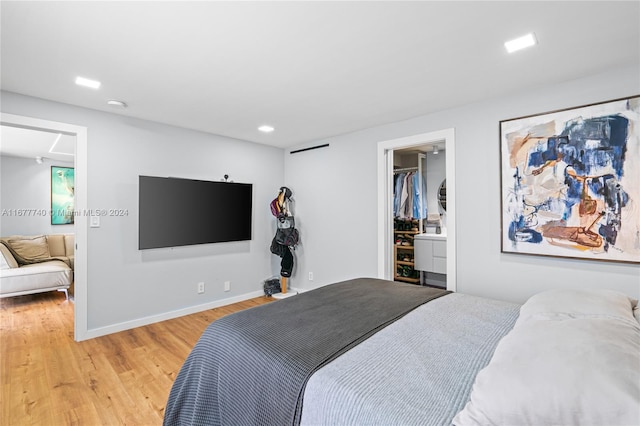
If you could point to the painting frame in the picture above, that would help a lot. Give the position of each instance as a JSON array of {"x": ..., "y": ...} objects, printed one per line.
[
  {"x": 570, "y": 182},
  {"x": 62, "y": 186}
]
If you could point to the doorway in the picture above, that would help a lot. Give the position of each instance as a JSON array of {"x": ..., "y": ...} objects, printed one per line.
[
  {"x": 80, "y": 195},
  {"x": 420, "y": 215},
  {"x": 443, "y": 139}
]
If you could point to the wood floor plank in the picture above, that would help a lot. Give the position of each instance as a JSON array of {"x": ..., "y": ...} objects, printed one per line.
[{"x": 47, "y": 378}]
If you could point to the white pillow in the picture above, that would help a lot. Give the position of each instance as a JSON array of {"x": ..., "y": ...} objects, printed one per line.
[
  {"x": 573, "y": 372},
  {"x": 565, "y": 304},
  {"x": 573, "y": 358}
]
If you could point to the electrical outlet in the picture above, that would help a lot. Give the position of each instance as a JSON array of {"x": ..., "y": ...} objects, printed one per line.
[
  {"x": 200, "y": 288},
  {"x": 227, "y": 285},
  {"x": 310, "y": 276}
]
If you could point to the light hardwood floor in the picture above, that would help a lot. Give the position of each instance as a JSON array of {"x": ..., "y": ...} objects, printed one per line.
[{"x": 120, "y": 379}]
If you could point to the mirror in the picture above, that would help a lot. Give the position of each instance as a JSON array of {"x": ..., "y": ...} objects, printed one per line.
[{"x": 442, "y": 195}]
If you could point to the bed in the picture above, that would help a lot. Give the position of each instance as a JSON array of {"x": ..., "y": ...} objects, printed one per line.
[{"x": 376, "y": 352}]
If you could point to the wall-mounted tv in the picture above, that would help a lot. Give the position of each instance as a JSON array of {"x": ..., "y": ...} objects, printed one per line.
[{"x": 178, "y": 212}]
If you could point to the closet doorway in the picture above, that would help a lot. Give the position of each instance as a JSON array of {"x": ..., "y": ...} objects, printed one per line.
[
  {"x": 411, "y": 155},
  {"x": 420, "y": 215}
]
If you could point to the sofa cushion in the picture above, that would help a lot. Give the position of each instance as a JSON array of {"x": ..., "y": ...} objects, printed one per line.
[
  {"x": 31, "y": 248},
  {"x": 69, "y": 245},
  {"x": 7, "y": 260},
  {"x": 56, "y": 245},
  {"x": 34, "y": 278}
]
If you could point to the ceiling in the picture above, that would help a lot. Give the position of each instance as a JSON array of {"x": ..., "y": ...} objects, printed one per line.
[
  {"x": 29, "y": 143},
  {"x": 310, "y": 69}
]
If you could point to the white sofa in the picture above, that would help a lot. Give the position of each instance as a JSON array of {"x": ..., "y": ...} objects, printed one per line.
[{"x": 35, "y": 264}]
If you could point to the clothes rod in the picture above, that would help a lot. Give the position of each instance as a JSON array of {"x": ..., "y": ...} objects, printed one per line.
[{"x": 406, "y": 169}]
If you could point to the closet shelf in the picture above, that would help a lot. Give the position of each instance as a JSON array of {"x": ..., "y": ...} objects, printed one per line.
[
  {"x": 404, "y": 270},
  {"x": 407, "y": 279}
]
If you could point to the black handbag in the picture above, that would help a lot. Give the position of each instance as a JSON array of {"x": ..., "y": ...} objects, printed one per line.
[{"x": 287, "y": 234}]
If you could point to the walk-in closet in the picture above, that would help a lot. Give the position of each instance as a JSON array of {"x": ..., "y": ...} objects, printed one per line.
[{"x": 419, "y": 215}]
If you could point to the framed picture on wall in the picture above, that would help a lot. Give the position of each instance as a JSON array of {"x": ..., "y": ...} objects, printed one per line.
[
  {"x": 62, "y": 195},
  {"x": 570, "y": 182}
]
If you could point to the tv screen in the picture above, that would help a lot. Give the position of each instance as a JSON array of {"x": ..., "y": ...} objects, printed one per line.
[{"x": 178, "y": 212}]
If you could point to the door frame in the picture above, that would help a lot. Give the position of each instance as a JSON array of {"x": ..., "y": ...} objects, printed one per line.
[
  {"x": 80, "y": 207},
  {"x": 385, "y": 199}
]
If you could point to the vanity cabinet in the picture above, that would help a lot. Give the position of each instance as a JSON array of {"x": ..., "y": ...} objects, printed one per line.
[{"x": 431, "y": 253}]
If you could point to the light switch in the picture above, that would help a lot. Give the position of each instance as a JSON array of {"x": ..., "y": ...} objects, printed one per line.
[{"x": 94, "y": 222}]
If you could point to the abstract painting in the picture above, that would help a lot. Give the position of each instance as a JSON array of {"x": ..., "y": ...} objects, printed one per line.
[
  {"x": 62, "y": 192},
  {"x": 570, "y": 182}
]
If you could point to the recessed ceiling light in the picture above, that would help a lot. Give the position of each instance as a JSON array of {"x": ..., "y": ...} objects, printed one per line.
[
  {"x": 81, "y": 81},
  {"x": 116, "y": 103},
  {"x": 266, "y": 129},
  {"x": 521, "y": 42}
]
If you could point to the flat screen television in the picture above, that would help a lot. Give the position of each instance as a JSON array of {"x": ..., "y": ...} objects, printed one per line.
[{"x": 179, "y": 212}]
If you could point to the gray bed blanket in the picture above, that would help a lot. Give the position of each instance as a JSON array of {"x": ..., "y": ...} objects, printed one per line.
[
  {"x": 250, "y": 368},
  {"x": 417, "y": 371}
]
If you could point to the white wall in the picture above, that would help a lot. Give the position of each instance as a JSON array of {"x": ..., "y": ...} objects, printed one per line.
[
  {"x": 125, "y": 284},
  {"x": 335, "y": 192},
  {"x": 26, "y": 185},
  {"x": 337, "y": 197}
]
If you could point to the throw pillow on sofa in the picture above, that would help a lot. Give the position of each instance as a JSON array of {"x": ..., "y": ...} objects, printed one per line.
[
  {"x": 7, "y": 261},
  {"x": 56, "y": 245},
  {"x": 31, "y": 248}
]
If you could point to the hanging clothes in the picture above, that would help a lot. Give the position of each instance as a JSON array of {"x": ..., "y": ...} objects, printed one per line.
[
  {"x": 419, "y": 197},
  {"x": 287, "y": 236},
  {"x": 397, "y": 193},
  {"x": 408, "y": 208},
  {"x": 404, "y": 197},
  {"x": 410, "y": 199}
]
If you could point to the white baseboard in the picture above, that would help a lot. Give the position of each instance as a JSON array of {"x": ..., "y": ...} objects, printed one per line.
[{"x": 128, "y": 325}]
